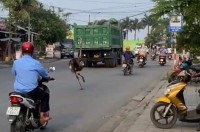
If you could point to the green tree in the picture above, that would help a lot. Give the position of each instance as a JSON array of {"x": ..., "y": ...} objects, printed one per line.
[
  {"x": 48, "y": 24},
  {"x": 136, "y": 25},
  {"x": 126, "y": 25},
  {"x": 50, "y": 27},
  {"x": 147, "y": 20},
  {"x": 158, "y": 30},
  {"x": 189, "y": 9}
]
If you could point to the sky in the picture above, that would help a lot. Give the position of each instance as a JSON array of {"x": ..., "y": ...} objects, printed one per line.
[{"x": 83, "y": 11}]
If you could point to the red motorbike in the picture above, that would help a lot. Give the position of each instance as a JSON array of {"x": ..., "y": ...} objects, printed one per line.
[
  {"x": 162, "y": 60},
  {"x": 180, "y": 67},
  {"x": 141, "y": 61}
]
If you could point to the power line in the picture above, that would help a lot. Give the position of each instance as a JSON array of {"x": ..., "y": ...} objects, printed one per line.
[
  {"x": 111, "y": 7},
  {"x": 119, "y": 12},
  {"x": 135, "y": 15},
  {"x": 93, "y": 1}
]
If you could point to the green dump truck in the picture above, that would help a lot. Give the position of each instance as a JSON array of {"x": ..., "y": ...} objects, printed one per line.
[{"x": 99, "y": 43}]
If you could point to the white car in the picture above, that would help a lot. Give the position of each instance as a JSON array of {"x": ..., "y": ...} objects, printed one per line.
[
  {"x": 136, "y": 51},
  {"x": 137, "y": 48}
]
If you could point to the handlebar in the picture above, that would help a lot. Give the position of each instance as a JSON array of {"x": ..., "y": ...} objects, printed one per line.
[{"x": 47, "y": 79}]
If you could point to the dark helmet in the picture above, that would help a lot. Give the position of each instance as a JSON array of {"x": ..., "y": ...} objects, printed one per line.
[{"x": 27, "y": 47}]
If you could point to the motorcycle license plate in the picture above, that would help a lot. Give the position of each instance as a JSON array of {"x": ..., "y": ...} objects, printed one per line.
[
  {"x": 124, "y": 65},
  {"x": 141, "y": 60},
  {"x": 13, "y": 111}
]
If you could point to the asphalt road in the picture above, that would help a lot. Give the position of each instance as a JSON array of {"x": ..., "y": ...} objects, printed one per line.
[{"x": 73, "y": 110}]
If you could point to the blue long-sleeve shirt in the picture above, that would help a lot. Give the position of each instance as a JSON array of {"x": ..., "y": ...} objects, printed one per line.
[
  {"x": 128, "y": 55},
  {"x": 27, "y": 72}
]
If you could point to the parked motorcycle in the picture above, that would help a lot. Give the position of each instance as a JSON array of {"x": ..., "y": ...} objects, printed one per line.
[
  {"x": 141, "y": 61},
  {"x": 153, "y": 56},
  {"x": 162, "y": 60},
  {"x": 171, "y": 106},
  {"x": 178, "y": 68},
  {"x": 128, "y": 68},
  {"x": 24, "y": 113}
]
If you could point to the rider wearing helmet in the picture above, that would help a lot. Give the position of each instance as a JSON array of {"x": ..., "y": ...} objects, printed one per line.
[
  {"x": 142, "y": 52},
  {"x": 27, "y": 71},
  {"x": 163, "y": 51},
  {"x": 154, "y": 50},
  {"x": 128, "y": 55}
]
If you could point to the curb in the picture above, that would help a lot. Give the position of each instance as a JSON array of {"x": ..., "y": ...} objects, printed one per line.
[
  {"x": 2, "y": 66},
  {"x": 127, "y": 115},
  {"x": 48, "y": 60}
]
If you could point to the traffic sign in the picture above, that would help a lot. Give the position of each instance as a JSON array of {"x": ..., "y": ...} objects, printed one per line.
[{"x": 175, "y": 24}]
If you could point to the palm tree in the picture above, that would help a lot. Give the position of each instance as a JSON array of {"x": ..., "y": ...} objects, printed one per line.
[
  {"x": 140, "y": 25},
  {"x": 134, "y": 27},
  {"x": 126, "y": 25},
  {"x": 147, "y": 20}
]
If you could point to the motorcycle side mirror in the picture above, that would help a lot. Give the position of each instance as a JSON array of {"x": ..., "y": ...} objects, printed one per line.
[{"x": 52, "y": 69}]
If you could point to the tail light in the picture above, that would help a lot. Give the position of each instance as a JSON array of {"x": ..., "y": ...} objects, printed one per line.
[
  {"x": 124, "y": 62},
  {"x": 141, "y": 57},
  {"x": 15, "y": 100},
  {"x": 162, "y": 57}
]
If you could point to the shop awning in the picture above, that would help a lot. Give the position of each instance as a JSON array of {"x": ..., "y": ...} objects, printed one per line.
[{"x": 13, "y": 39}]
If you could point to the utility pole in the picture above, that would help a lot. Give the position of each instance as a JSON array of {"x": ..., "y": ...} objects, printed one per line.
[
  {"x": 10, "y": 36},
  {"x": 29, "y": 25},
  {"x": 89, "y": 18},
  {"x": 29, "y": 28},
  {"x": 175, "y": 44}
]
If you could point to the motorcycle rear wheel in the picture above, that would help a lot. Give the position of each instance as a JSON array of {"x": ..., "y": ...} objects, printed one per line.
[
  {"x": 18, "y": 124},
  {"x": 171, "y": 113}
]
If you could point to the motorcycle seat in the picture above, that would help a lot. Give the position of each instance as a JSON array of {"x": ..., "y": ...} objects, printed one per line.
[
  {"x": 22, "y": 94},
  {"x": 195, "y": 68}
]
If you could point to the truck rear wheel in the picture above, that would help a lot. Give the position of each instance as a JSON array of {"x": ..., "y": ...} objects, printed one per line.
[
  {"x": 89, "y": 64},
  {"x": 111, "y": 62}
]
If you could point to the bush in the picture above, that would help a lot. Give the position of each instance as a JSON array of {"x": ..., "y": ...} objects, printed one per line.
[{"x": 42, "y": 53}]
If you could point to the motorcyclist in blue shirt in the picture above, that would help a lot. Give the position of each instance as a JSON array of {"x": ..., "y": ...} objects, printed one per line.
[
  {"x": 27, "y": 72},
  {"x": 128, "y": 55}
]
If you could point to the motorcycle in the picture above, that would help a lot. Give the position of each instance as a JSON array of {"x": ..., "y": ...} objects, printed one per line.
[
  {"x": 141, "y": 61},
  {"x": 170, "y": 56},
  {"x": 128, "y": 68},
  {"x": 153, "y": 56},
  {"x": 171, "y": 106},
  {"x": 24, "y": 113},
  {"x": 178, "y": 68},
  {"x": 162, "y": 60}
]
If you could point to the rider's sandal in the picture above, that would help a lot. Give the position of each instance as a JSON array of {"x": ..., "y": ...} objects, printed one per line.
[{"x": 43, "y": 120}]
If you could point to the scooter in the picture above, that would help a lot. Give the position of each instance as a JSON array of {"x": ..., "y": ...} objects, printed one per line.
[
  {"x": 24, "y": 113},
  {"x": 141, "y": 61},
  {"x": 171, "y": 107},
  {"x": 162, "y": 60},
  {"x": 127, "y": 67},
  {"x": 153, "y": 56}
]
